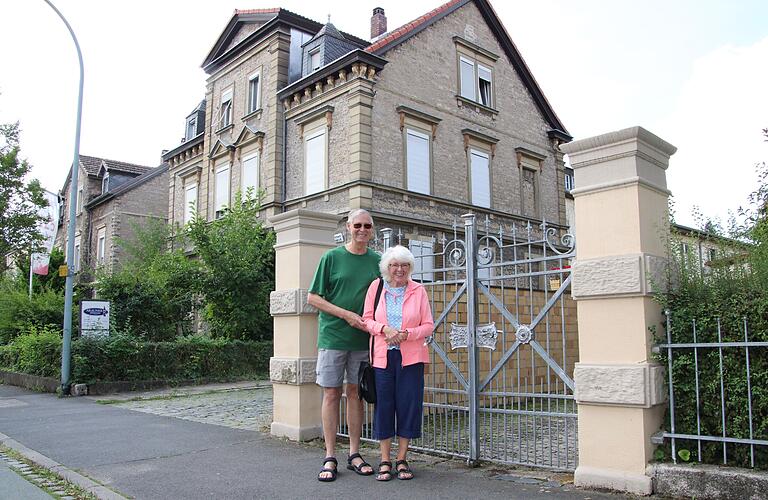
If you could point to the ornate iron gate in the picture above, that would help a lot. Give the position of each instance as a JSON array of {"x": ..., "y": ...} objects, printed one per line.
[{"x": 500, "y": 384}]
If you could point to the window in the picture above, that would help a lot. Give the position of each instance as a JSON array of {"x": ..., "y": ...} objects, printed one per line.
[
  {"x": 529, "y": 192},
  {"x": 711, "y": 254},
  {"x": 250, "y": 175},
  {"x": 568, "y": 181},
  {"x": 254, "y": 100},
  {"x": 77, "y": 254},
  {"x": 79, "y": 200},
  {"x": 101, "y": 245},
  {"x": 222, "y": 190},
  {"x": 191, "y": 128},
  {"x": 225, "y": 111},
  {"x": 476, "y": 81},
  {"x": 314, "y": 60},
  {"x": 480, "y": 178},
  {"x": 190, "y": 202},
  {"x": 105, "y": 183},
  {"x": 425, "y": 260},
  {"x": 417, "y": 161},
  {"x": 314, "y": 161}
]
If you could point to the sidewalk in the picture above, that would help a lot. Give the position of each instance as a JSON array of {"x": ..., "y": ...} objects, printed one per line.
[{"x": 143, "y": 455}]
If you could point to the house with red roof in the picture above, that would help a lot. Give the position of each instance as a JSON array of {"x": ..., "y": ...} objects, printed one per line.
[{"x": 418, "y": 125}]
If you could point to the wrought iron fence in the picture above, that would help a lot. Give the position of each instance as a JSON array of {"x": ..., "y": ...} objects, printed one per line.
[{"x": 718, "y": 392}]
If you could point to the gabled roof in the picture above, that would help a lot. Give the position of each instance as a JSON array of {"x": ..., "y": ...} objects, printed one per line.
[
  {"x": 93, "y": 165},
  {"x": 327, "y": 30},
  {"x": 397, "y": 36},
  {"x": 128, "y": 186},
  {"x": 268, "y": 18}
]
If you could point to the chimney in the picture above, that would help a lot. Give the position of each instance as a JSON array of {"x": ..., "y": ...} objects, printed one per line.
[{"x": 378, "y": 23}]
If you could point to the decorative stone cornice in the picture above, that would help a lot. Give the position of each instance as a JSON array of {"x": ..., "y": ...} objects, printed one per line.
[
  {"x": 290, "y": 302},
  {"x": 293, "y": 371},
  {"x": 636, "y": 385},
  {"x": 620, "y": 275}
]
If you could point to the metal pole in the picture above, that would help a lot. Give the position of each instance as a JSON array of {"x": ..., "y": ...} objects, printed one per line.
[
  {"x": 66, "y": 345},
  {"x": 471, "y": 261}
]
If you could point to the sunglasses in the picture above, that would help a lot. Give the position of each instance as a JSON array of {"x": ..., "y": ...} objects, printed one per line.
[{"x": 358, "y": 225}]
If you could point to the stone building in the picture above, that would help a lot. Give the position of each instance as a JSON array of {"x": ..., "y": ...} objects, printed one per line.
[
  {"x": 113, "y": 198},
  {"x": 422, "y": 124}
]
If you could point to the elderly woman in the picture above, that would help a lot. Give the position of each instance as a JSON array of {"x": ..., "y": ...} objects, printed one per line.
[{"x": 401, "y": 321}]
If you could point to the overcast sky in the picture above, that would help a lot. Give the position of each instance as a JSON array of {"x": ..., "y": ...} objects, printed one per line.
[{"x": 694, "y": 72}]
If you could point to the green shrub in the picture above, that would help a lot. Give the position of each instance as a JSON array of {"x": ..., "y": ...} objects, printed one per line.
[
  {"x": 18, "y": 312},
  {"x": 36, "y": 351},
  {"x": 124, "y": 357}
]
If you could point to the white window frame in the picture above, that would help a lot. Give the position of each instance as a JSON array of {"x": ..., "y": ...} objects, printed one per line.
[
  {"x": 101, "y": 245},
  {"x": 221, "y": 190},
  {"x": 423, "y": 253},
  {"x": 79, "y": 201},
  {"x": 476, "y": 197},
  {"x": 412, "y": 175},
  {"x": 322, "y": 165},
  {"x": 189, "y": 210},
  {"x": 105, "y": 183},
  {"x": 191, "y": 125},
  {"x": 244, "y": 166},
  {"x": 568, "y": 182},
  {"x": 254, "y": 102},
  {"x": 470, "y": 85},
  {"x": 312, "y": 55},
  {"x": 225, "y": 108},
  {"x": 78, "y": 254}
]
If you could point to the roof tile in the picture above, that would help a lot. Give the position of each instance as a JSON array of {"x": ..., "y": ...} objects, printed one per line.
[{"x": 403, "y": 30}]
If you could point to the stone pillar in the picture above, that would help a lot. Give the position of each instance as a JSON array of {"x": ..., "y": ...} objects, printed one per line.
[
  {"x": 621, "y": 222},
  {"x": 302, "y": 238}
]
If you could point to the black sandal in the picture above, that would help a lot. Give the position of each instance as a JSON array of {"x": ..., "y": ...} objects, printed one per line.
[
  {"x": 386, "y": 473},
  {"x": 359, "y": 468},
  {"x": 404, "y": 470},
  {"x": 332, "y": 470}
]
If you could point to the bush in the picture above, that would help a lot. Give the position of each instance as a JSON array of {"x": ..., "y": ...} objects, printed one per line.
[
  {"x": 18, "y": 312},
  {"x": 36, "y": 351},
  {"x": 123, "y": 357}
]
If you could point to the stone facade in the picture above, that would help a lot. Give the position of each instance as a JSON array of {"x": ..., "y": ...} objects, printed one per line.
[{"x": 363, "y": 100}]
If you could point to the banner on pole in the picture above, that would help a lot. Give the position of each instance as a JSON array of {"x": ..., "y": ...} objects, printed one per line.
[{"x": 48, "y": 229}]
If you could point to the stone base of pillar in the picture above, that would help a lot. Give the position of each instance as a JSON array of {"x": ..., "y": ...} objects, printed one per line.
[
  {"x": 593, "y": 477},
  {"x": 294, "y": 433}
]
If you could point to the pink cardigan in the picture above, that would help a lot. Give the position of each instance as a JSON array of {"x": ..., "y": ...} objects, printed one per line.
[{"x": 417, "y": 320}]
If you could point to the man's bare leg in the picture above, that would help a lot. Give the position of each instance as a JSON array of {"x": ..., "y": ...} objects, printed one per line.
[
  {"x": 355, "y": 424},
  {"x": 330, "y": 416}
]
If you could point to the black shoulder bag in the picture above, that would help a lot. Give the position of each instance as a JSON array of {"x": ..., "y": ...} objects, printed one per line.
[{"x": 366, "y": 383}]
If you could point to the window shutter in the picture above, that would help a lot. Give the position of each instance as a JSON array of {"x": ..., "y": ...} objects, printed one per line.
[
  {"x": 190, "y": 202},
  {"x": 222, "y": 189},
  {"x": 467, "y": 79},
  {"x": 481, "y": 179},
  {"x": 425, "y": 260},
  {"x": 418, "y": 161},
  {"x": 315, "y": 162},
  {"x": 250, "y": 175}
]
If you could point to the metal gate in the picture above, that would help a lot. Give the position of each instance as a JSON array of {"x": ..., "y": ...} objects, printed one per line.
[{"x": 499, "y": 386}]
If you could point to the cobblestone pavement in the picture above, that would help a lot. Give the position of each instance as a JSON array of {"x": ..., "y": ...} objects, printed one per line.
[{"x": 249, "y": 409}]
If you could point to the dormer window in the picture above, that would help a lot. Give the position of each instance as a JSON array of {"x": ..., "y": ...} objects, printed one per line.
[
  {"x": 191, "y": 127},
  {"x": 105, "y": 183},
  {"x": 314, "y": 60}
]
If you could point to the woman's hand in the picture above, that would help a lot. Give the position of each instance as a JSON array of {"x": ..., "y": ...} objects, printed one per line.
[{"x": 392, "y": 336}]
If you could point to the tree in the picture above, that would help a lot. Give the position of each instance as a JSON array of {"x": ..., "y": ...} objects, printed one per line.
[
  {"x": 20, "y": 203},
  {"x": 239, "y": 271}
]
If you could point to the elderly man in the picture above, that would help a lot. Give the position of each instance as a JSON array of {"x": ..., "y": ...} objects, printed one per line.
[{"x": 338, "y": 291}]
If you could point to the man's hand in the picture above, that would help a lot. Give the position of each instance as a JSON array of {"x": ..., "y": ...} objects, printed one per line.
[{"x": 355, "y": 321}]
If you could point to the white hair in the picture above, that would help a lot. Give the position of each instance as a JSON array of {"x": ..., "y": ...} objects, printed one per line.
[
  {"x": 396, "y": 254},
  {"x": 356, "y": 212}
]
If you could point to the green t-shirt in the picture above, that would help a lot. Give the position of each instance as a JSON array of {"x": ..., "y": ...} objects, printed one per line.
[{"x": 342, "y": 278}]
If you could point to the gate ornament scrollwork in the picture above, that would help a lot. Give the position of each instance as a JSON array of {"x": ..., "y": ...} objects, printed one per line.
[
  {"x": 485, "y": 336},
  {"x": 567, "y": 241},
  {"x": 455, "y": 253}
]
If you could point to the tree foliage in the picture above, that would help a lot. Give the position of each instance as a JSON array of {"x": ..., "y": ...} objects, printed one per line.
[
  {"x": 239, "y": 259},
  {"x": 20, "y": 202}
]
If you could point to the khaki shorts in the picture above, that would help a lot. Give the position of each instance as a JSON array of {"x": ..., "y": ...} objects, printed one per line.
[{"x": 337, "y": 367}]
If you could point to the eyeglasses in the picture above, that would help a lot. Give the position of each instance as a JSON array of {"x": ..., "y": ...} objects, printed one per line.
[
  {"x": 405, "y": 265},
  {"x": 358, "y": 225}
]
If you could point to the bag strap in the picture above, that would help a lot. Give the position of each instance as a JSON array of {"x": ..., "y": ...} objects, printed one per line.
[{"x": 375, "y": 305}]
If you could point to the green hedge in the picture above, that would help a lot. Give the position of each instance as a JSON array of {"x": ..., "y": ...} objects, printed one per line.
[{"x": 125, "y": 358}]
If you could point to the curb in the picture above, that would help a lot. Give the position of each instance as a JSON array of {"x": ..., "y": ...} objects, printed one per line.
[{"x": 101, "y": 491}]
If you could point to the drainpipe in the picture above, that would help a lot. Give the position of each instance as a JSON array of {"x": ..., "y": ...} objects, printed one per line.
[{"x": 284, "y": 154}]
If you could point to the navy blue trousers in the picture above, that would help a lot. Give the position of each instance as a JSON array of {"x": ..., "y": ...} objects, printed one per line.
[{"x": 399, "y": 398}]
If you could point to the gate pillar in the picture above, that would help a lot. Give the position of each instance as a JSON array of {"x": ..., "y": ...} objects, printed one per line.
[
  {"x": 302, "y": 238},
  {"x": 621, "y": 221}
]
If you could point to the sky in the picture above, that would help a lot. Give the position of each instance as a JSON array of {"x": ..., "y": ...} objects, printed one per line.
[{"x": 694, "y": 72}]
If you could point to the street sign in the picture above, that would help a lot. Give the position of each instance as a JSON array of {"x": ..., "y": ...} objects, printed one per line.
[{"x": 94, "y": 318}]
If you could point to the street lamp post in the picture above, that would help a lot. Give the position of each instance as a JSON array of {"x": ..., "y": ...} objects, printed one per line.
[{"x": 66, "y": 346}]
